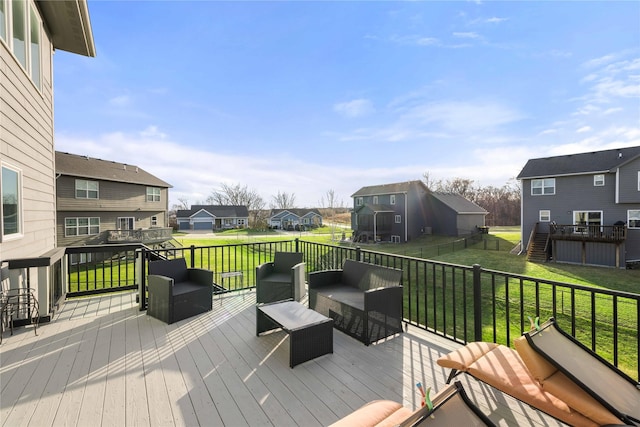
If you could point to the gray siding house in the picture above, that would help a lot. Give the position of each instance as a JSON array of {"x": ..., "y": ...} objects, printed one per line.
[
  {"x": 292, "y": 219},
  {"x": 100, "y": 201},
  {"x": 403, "y": 211},
  {"x": 212, "y": 217},
  {"x": 30, "y": 31},
  {"x": 583, "y": 208}
]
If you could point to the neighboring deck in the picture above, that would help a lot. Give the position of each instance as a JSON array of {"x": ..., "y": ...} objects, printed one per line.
[{"x": 102, "y": 362}]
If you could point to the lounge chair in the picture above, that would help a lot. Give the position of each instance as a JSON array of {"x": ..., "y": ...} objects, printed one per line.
[
  {"x": 282, "y": 279},
  {"x": 528, "y": 376},
  {"x": 451, "y": 407},
  {"x": 611, "y": 387}
]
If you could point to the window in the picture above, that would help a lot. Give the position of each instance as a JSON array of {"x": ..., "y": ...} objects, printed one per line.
[
  {"x": 358, "y": 201},
  {"x": 87, "y": 189},
  {"x": 392, "y": 199},
  {"x": 153, "y": 194},
  {"x": 80, "y": 258},
  {"x": 125, "y": 223},
  {"x": 11, "y": 201},
  {"x": 34, "y": 24},
  {"x": 241, "y": 221},
  {"x": 398, "y": 219},
  {"x": 81, "y": 226},
  {"x": 19, "y": 27},
  {"x": 598, "y": 180},
  {"x": 3, "y": 20},
  {"x": 543, "y": 187},
  {"x": 633, "y": 218},
  {"x": 588, "y": 218},
  {"x": 154, "y": 221},
  {"x": 375, "y": 200},
  {"x": 545, "y": 216},
  {"x": 395, "y": 239}
]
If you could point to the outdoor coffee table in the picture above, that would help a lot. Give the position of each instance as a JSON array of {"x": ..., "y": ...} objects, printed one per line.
[{"x": 310, "y": 333}]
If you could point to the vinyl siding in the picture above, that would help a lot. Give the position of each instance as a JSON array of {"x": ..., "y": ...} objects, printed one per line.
[
  {"x": 628, "y": 179},
  {"x": 116, "y": 199},
  {"x": 26, "y": 142}
]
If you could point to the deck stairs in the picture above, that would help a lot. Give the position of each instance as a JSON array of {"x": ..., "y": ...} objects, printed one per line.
[{"x": 537, "y": 251}]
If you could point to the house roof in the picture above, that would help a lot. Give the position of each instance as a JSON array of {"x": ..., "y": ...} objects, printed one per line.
[
  {"x": 582, "y": 163},
  {"x": 88, "y": 167},
  {"x": 298, "y": 212},
  {"x": 69, "y": 25},
  {"x": 458, "y": 203},
  {"x": 219, "y": 211},
  {"x": 394, "y": 188}
]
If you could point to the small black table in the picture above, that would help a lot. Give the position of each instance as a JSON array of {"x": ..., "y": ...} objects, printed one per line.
[{"x": 310, "y": 333}]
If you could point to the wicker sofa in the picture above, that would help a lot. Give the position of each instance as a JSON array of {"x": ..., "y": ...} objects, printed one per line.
[
  {"x": 365, "y": 300},
  {"x": 177, "y": 292}
]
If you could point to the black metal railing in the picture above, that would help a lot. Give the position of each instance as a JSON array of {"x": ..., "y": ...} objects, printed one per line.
[
  {"x": 595, "y": 233},
  {"x": 461, "y": 303},
  {"x": 148, "y": 235}
]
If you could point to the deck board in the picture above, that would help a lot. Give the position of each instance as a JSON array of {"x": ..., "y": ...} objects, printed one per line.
[{"x": 102, "y": 362}]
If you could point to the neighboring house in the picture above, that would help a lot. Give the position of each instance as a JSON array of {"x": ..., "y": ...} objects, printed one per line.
[
  {"x": 100, "y": 201},
  {"x": 403, "y": 211},
  {"x": 292, "y": 219},
  {"x": 212, "y": 217},
  {"x": 30, "y": 31},
  {"x": 583, "y": 208}
]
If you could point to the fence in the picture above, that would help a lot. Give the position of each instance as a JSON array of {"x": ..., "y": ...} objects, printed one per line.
[{"x": 461, "y": 303}]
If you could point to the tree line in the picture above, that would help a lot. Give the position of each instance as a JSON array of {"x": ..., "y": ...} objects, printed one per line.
[{"x": 502, "y": 203}]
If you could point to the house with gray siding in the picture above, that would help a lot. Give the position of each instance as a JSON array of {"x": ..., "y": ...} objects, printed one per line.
[
  {"x": 30, "y": 32},
  {"x": 403, "y": 211},
  {"x": 212, "y": 218},
  {"x": 294, "y": 219},
  {"x": 102, "y": 201},
  {"x": 583, "y": 208}
]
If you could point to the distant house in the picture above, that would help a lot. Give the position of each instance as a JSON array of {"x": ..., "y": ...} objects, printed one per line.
[
  {"x": 292, "y": 219},
  {"x": 583, "y": 208},
  {"x": 212, "y": 217},
  {"x": 403, "y": 211},
  {"x": 30, "y": 32},
  {"x": 101, "y": 201}
]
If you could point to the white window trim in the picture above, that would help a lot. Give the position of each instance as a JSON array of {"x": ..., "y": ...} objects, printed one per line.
[
  {"x": 87, "y": 189},
  {"x": 154, "y": 194},
  {"x": 20, "y": 233},
  {"x": 629, "y": 219},
  {"x": 392, "y": 199},
  {"x": 598, "y": 182},
  {"x": 541, "y": 214},
  {"x": 543, "y": 193},
  {"x": 154, "y": 221},
  {"x": 358, "y": 201},
  {"x": 27, "y": 67},
  {"x": 375, "y": 200},
  {"x": 398, "y": 219},
  {"x": 77, "y": 226},
  {"x": 578, "y": 227}
]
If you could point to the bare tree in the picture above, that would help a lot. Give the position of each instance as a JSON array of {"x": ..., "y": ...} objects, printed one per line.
[
  {"x": 283, "y": 200},
  {"x": 182, "y": 205},
  {"x": 240, "y": 195}
]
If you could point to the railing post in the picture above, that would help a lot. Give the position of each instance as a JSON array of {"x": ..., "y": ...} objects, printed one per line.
[
  {"x": 477, "y": 303},
  {"x": 141, "y": 267},
  {"x": 193, "y": 256},
  {"x": 297, "y": 245},
  {"x": 358, "y": 253}
]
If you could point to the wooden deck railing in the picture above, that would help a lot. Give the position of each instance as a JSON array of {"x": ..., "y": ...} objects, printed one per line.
[{"x": 595, "y": 233}]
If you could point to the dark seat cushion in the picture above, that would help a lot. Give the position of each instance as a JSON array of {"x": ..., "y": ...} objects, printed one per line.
[
  {"x": 348, "y": 295},
  {"x": 187, "y": 287},
  {"x": 278, "y": 277}
]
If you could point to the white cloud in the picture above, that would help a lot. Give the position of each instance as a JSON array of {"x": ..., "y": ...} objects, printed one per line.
[
  {"x": 495, "y": 20},
  {"x": 354, "y": 108},
  {"x": 584, "y": 129},
  {"x": 467, "y": 35},
  {"x": 120, "y": 101}
]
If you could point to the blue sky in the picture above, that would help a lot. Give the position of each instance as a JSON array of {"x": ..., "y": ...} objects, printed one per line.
[{"x": 305, "y": 97}]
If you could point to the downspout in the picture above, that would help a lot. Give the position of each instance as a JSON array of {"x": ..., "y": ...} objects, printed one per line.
[
  {"x": 406, "y": 217},
  {"x": 374, "y": 227}
]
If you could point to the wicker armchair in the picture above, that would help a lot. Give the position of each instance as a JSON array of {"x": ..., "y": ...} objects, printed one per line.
[
  {"x": 177, "y": 292},
  {"x": 282, "y": 279}
]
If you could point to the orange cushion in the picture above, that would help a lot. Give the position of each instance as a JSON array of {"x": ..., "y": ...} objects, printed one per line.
[
  {"x": 369, "y": 415},
  {"x": 503, "y": 369}
]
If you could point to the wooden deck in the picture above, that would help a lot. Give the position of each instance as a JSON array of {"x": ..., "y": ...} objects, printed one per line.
[{"x": 101, "y": 362}]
